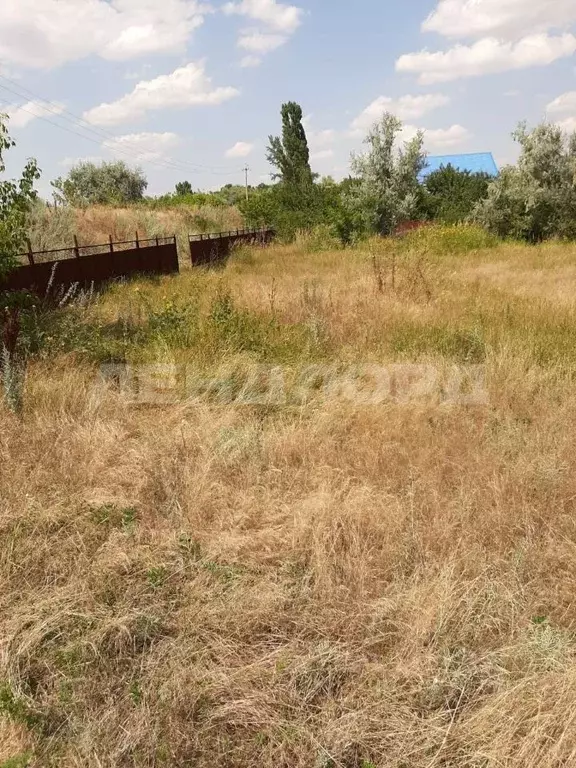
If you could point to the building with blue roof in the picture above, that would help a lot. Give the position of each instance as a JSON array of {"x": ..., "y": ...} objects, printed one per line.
[{"x": 479, "y": 162}]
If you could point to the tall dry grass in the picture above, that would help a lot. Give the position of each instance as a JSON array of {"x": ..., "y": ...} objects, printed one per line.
[
  {"x": 51, "y": 228},
  {"x": 321, "y": 584}
]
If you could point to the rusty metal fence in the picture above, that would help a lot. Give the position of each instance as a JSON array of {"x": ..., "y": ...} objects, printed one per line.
[
  {"x": 41, "y": 272},
  {"x": 215, "y": 248},
  {"x": 44, "y": 272}
]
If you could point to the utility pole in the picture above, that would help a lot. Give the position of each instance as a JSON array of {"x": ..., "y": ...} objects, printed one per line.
[{"x": 246, "y": 169}]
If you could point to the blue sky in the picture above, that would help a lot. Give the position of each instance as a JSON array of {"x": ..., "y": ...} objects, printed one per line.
[{"x": 191, "y": 90}]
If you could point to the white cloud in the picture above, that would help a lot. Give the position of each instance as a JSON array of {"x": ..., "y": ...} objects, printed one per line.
[
  {"x": 446, "y": 138},
  {"x": 185, "y": 87},
  {"x": 240, "y": 149},
  {"x": 276, "y": 23},
  {"x": 509, "y": 19},
  {"x": 568, "y": 124},
  {"x": 563, "y": 104},
  {"x": 435, "y": 139},
  {"x": 260, "y": 42},
  {"x": 250, "y": 61},
  {"x": 143, "y": 147},
  {"x": 487, "y": 56},
  {"x": 48, "y": 33},
  {"x": 405, "y": 107},
  {"x": 564, "y": 107},
  {"x": 322, "y": 154},
  {"x": 21, "y": 115},
  {"x": 321, "y": 138},
  {"x": 318, "y": 140},
  {"x": 276, "y": 16},
  {"x": 69, "y": 162}
]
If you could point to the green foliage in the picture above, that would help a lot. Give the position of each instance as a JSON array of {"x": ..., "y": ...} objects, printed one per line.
[
  {"x": 452, "y": 194},
  {"x": 16, "y": 199},
  {"x": 16, "y": 707},
  {"x": 184, "y": 188},
  {"x": 111, "y": 516},
  {"x": 105, "y": 184},
  {"x": 18, "y": 761},
  {"x": 535, "y": 199},
  {"x": 136, "y": 693},
  {"x": 388, "y": 191},
  {"x": 449, "y": 239},
  {"x": 156, "y": 576},
  {"x": 289, "y": 211},
  {"x": 319, "y": 238},
  {"x": 191, "y": 199},
  {"x": 220, "y": 327},
  {"x": 290, "y": 154}
]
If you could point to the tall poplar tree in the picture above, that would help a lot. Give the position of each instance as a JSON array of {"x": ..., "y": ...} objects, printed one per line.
[{"x": 290, "y": 154}]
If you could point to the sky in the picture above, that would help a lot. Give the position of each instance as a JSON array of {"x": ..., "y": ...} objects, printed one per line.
[{"x": 191, "y": 90}]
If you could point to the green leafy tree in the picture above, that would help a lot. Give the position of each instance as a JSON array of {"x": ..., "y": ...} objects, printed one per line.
[
  {"x": 290, "y": 154},
  {"x": 184, "y": 188},
  {"x": 388, "y": 191},
  {"x": 536, "y": 198},
  {"x": 16, "y": 198},
  {"x": 452, "y": 194},
  {"x": 103, "y": 184}
]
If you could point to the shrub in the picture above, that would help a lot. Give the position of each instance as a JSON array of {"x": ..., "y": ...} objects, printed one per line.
[
  {"x": 452, "y": 194},
  {"x": 16, "y": 198},
  {"x": 92, "y": 184},
  {"x": 388, "y": 191},
  {"x": 535, "y": 199}
]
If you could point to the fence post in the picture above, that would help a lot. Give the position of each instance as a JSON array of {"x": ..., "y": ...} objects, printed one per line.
[
  {"x": 137, "y": 241},
  {"x": 30, "y": 253},
  {"x": 76, "y": 248},
  {"x": 157, "y": 241},
  {"x": 111, "y": 244}
]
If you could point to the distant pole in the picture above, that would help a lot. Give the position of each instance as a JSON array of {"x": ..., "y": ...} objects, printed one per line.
[{"x": 246, "y": 169}]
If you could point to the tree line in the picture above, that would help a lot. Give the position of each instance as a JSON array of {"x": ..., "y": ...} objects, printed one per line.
[{"x": 533, "y": 200}]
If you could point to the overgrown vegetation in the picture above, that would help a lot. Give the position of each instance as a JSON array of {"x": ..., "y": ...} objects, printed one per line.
[
  {"x": 246, "y": 559},
  {"x": 451, "y": 195},
  {"x": 16, "y": 198},
  {"x": 101, "y": 184},
  {"x": 535, "y": 199}
]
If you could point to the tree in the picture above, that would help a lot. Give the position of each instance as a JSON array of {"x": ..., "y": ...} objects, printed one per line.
[
  {"x": 388, "y": 190},
  {"x": 452, "y": 193},
  {"x": 104, "y": 184},
  {"x": 290, "y": 154},
  {"x": 184, "y": 188},
  {"x": 536, "y": 198},
  {"x": 16, "y": 197}
]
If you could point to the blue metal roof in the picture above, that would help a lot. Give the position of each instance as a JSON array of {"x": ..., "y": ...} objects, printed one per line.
[{"x": 480, "y": 162}]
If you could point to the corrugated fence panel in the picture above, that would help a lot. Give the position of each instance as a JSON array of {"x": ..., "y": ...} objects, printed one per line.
[
  {"x": 214, "y": 250},
  {"x": 93, "y": 269}
]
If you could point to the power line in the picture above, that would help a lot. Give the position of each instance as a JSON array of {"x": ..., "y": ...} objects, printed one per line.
[
  {"x": 80, "y": 123},
  {"x": 159, "y": 163},
  {"x": 166, "y": 164}
]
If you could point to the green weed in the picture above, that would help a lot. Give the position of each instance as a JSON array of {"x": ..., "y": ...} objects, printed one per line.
[
  {"x": 156, "y": 576},
  {"x": 18, "y": 761},
  {"x": 16, "y": 707}
]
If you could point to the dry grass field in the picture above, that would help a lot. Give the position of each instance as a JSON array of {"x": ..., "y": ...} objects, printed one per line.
[
  {"x": 230, "y": 579},
  {"x": 55, "y": 227}
]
